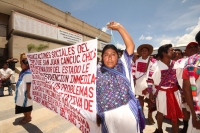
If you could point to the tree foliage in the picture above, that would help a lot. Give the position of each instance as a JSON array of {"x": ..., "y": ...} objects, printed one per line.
[{"x": 37, "y": 48}]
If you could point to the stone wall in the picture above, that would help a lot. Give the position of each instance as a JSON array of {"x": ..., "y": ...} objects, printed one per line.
[
  {"x": 45, "y": 12},
  {"x": 18, "y": 45}
]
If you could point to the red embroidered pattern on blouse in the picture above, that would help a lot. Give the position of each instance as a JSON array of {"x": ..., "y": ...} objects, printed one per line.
[{"x": 141, "y": 66}]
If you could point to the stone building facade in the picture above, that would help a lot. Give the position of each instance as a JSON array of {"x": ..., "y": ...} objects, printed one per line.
[{"x": 33, "y": 22}]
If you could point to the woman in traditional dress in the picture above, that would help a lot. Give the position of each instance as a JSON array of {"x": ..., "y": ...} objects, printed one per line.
[
  {"x": 118, "y": 109},
  {"x": 23, "y": 98}
]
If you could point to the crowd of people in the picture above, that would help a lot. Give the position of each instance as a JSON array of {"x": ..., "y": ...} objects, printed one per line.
[
  {"x": 169, "y": 82},
  {"x": 162, "y": 81},
  {"x": 22, "y": 97}
]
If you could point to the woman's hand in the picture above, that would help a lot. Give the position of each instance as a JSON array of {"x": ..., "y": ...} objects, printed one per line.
[
  {"x": 114, "y": 25},
  {"x": 29, "y": 95},
  {"x": 125, "y": 36}
]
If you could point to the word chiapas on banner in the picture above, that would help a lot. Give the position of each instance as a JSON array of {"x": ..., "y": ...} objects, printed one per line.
[{"x": 64, "y": 81}]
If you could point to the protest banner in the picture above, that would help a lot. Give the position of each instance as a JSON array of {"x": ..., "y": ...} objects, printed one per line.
[{"x": 64, "y": 81}]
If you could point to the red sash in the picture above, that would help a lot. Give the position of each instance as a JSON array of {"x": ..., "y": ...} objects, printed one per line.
[{"x": 173, "y": 110}]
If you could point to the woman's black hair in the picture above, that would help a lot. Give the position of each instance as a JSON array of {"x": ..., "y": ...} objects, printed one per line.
[
  {"x": 25, "y": 61},
  {"x": 108, "y": 46},
  {"x": 163, "y": 48}
]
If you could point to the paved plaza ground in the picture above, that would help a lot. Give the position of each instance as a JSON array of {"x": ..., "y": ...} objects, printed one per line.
[{"x": 46, "y": 121}]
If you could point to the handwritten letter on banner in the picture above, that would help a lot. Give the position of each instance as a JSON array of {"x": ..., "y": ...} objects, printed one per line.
[{"x": 64, "y": 82}]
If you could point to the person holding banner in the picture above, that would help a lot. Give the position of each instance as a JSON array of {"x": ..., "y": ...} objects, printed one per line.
[
  {"x": 118, "y": 110},
  {"x": 23, "y": 98}
]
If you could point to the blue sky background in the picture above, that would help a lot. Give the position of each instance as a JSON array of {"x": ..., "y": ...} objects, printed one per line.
[{"x": 155, "y": 22}]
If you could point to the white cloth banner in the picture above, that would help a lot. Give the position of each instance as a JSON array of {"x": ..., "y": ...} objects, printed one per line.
[{"x": 64, "y": 81}]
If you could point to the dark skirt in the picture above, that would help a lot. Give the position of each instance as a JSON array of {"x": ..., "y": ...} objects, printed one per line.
[{"x": 19, "y": 109}]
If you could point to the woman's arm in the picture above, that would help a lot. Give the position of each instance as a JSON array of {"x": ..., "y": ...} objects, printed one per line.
[
  {"x": 189, "y": 100},
  {"x": 188, "y": 95},
  {"x": 28, "y": 90},
  {"x": 125, "y": 35}
]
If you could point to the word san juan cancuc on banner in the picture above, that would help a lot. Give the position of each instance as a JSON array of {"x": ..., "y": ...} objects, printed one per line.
[{"x": 64, "y": 81}]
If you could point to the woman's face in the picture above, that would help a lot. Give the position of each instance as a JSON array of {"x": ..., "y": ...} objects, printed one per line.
[
  {"x": 23, "y": 66},
  {"x": 110, "y": 58}
]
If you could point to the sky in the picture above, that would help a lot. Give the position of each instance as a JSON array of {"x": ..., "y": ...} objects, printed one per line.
[{"x": 154, "y": 22}]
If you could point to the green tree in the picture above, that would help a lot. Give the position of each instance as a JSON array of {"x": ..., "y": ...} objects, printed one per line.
[
  {"x": 41, "y": 47},
  {"x": 30, "y": 47},
  {"x": 37, "y": 48}
]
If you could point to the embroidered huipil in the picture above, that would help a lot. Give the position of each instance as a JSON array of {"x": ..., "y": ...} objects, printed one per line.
[
  {"x": 169, "y": 89},
  {"x": 21, "y": 98},
  {"x": 116, "y": 104},
  {"x": 139, "y": 69}
]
